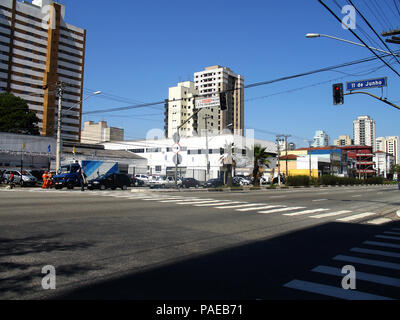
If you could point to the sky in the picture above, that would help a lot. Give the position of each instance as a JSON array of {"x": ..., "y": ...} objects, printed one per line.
[{"x": 136, "y": 50}]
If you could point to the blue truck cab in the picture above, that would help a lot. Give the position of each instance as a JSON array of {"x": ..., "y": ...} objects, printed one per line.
[{"x": 68, "y": 177}]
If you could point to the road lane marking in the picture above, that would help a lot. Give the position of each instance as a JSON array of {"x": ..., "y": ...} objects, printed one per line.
[
  {"x": 382, "y": 244},
  {"x": 379, "y": 221},
  {"x": 387, "y": 237},
  {"x": 305, "y": 212},
  {"x": 357, "y": 216},
  {"x": 357, "y": 196},
  {"x": 181, "y": 200},
  {"x": 281, "y": 210},
  {"x": 376, "y": 252},
  {"x": 276, "y": 197},
  {"x": 320, "y": 200},
  {"x": 259, "y": 208},
  {"x": 369, "y": 277},
  {"x": 210, "y": 204},
  {"x": 393, "y": 233},
  {"x": 240, "y": 206},
  {"x": 331, "y": 291},
  {"x": 332, "y": 214},
  {"x": 369, "y": 262}
]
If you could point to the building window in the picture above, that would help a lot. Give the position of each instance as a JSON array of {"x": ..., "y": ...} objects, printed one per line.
[{"x": 158, "y": 168}]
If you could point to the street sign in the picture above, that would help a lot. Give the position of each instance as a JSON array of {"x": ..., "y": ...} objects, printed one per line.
[
  {"x": 367, "y": 84},
  {"x": 176, "y": 148},
  {"x": 177, "y": 159},
  {"x": 176, "y": 137},
  {"x": 212, "y": 102}
]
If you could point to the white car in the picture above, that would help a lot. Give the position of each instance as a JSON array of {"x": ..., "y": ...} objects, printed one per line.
[
  {"x": 142, "y": 177},
  {"x": 163, "y": 182}
]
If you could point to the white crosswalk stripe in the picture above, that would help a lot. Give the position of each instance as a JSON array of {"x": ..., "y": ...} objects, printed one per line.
[
  {"x": 245, "y": 205},
  {"x": 305, "y": 212},
  {"x": 280, "y": 210},
  {"x": 389, "y": 281},
  {"x": 357, "y": 217},
  {"x": 258, "y": 208},
  {"x": 332, "y": 214},
  {"x": 332, "y": 291},
  {"x": 379, "y": 221},
  {"x": 213, "y": 204},
  {"x": 370, "y": 262},
  {"x": 379, "y": 273},
  {"x": 387, "y": 237}
]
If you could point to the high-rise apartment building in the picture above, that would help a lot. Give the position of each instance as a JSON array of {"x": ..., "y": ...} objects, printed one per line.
[
  {"x": 343, "y": 141},
  {"x": 217, "y": 79},
  {"x": 364, "y": 132},
  {"x": 38, "y": 49},
  {"x": 389, "y": 145},
  {"x": 321, "y": 139},
  {"x": 179, "y": 108}
]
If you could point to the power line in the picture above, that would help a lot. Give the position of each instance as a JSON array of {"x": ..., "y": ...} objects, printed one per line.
[
  {"x": 377, "y": 35},
  {"x": 397, "y": 7},
  {"x": 379, "y": 57}
]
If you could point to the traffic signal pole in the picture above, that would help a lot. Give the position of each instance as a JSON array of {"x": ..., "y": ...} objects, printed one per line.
[{"x": 374, "y": 96}]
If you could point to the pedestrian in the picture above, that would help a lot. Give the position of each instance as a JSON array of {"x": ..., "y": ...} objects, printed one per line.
[
  {"x": 44, "y": 176},
  {"x": 82, "y": 180},
  {"x": 11, "y": 180}
]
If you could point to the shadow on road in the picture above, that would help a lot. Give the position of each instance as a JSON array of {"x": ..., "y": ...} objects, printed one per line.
[
  {"x": 18, "y": 270},
  {"x": 253, "y": 271}
]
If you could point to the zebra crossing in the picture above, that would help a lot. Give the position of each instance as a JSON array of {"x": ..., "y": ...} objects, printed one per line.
[
  {"x": 376, "y": 265},
  {"x": 343, "y": 216}
]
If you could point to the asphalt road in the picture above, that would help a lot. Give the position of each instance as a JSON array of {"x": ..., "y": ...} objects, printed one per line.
[{"x": 270, "y": 244}]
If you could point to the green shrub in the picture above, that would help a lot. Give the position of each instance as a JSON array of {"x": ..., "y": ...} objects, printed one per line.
[{"x": 296, "y": 181}]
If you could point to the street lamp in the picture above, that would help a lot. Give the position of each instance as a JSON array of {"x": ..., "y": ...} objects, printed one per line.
[
  {"x": 59, "y": 121},
  {"x": 318, "y": 35}
]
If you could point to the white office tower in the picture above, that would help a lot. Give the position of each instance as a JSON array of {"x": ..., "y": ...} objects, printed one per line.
[
  {"x": 364, "y": 132},
  {"x": 389, "y": 145},
  {"x": 321, "y": 139},
  {"x": 38, "y": 49}
]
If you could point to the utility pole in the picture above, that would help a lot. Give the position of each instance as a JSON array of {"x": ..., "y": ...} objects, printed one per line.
[
  {"x": 286, "y": 147},
  {"x": 309, "y": 155},
  {"x": 207, "y": 148},
  {"x": 60, "y": 92},
  {"x": 279, "y": 160}
]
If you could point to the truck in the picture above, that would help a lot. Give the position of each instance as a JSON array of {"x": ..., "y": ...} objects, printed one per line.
[{"x": 70, "y": 174}]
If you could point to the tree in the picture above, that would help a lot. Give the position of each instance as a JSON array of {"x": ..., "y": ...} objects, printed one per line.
[
  {"x": 15, "y": 116},
  {"x": 260, "y": 160},
  {"x": 395, "y": 169}
]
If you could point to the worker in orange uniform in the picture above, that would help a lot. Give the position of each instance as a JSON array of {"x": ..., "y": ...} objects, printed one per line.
[{"x": 45, "y": 176}]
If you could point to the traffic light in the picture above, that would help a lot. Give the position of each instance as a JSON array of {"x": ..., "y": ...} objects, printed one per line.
[
  {"x": 338, "y": 96},
  {"x": 222, "y": 100}
]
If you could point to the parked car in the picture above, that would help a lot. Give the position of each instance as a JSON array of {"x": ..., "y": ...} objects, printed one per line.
[
  {"x": 190, "y": 183},
  {"x": 24, "y": 178},
  {"x": 243, "y": 181},
  {"x": 110, "y": 181},
  {"x": 135, "y": 182},
  {"x": 213, "y": 183},
  {"x": 143, "y": 177},
  {"x": 163, "y": 182}
]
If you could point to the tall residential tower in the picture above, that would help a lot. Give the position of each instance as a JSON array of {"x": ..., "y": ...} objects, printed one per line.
[
  {"x": 38, "y": 49},
  {"x": 217, "y": 79},
  {"x": 364, "y": 132}
]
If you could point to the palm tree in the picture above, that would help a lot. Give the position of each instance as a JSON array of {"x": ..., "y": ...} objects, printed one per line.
[{"x": 260, "y": 159}]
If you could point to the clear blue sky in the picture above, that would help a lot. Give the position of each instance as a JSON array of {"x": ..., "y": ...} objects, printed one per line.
[{"x": 138, "y": 49}]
